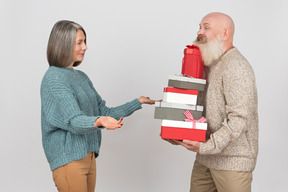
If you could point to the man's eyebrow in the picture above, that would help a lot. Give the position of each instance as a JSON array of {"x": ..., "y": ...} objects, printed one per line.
[{"x": 204, "y": 24}]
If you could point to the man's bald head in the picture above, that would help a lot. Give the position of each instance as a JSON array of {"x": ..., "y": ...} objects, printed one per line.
[
  {"x": 215, "y": 24},
  {"x": 223, "y": 21},
  {"x": 215, "y": 36}
]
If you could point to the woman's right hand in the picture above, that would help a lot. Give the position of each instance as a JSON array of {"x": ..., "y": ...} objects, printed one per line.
[
  {"x": 147, "y": 100},
  {"x": 108, "y": 122}
]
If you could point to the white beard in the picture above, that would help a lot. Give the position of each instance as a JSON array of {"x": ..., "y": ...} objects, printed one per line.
[{"x": 211, "y": 51}]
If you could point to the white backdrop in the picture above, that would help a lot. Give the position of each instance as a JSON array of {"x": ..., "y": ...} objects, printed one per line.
[{"x": 132, "y": 48}]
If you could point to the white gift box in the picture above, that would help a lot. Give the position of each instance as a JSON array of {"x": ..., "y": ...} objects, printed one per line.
[{"x": 183, "y": 96}]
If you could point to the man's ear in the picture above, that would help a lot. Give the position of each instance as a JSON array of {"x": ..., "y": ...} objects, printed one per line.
[{"x": 226, "y": 34}]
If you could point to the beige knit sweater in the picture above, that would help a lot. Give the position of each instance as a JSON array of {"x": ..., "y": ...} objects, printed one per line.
[{"x": 230, "y": 101}]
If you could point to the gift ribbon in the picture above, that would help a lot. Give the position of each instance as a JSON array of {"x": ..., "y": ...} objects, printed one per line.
[{"x": 190, "y": 118}]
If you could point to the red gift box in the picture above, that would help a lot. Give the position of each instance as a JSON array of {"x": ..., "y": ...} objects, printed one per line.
[
  {"x": 177, "y": 95},
  {"x": 192, "y": 64},
  {"x": 180, "y": 130}
]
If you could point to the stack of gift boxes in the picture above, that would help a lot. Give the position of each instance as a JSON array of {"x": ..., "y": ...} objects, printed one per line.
[{"x": 181, "y": 116}]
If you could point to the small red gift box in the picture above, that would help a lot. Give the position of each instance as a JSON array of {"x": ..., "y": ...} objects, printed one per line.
[
  {"x": 192, "y": 64},
  {"x": 177, "y": 95}
]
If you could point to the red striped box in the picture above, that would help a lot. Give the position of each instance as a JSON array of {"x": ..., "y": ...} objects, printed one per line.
[
  {"x": 180, "y": 130},
  {"x": 177, "y": 95}
]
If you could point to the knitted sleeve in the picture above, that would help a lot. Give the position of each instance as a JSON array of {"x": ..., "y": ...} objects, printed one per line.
[
  {"x": 241, "y": 102},
  {"x": 116, "y": 112},
  {"x": 60, "y": 107}
]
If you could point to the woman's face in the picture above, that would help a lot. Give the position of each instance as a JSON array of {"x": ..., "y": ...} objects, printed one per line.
[{"x": 79, "y": 47}]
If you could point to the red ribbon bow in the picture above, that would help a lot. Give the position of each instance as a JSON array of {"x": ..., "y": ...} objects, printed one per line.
[{"x": 190, "y": 118}]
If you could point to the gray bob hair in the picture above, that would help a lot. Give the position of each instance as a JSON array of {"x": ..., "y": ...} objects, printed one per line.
[{"x": 61, "y": 43}]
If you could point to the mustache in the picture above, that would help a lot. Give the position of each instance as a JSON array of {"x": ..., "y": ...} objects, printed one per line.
[{"x": 201, "y": 38}]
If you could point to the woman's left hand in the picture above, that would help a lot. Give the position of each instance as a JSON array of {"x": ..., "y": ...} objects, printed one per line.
[{"x": 147, "y": 100}]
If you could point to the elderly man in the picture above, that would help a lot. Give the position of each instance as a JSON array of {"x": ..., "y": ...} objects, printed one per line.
[{"x": 225, "y": 162}]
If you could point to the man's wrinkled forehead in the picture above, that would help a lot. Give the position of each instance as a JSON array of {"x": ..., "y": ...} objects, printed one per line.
[{"x": 208, "y": 20}]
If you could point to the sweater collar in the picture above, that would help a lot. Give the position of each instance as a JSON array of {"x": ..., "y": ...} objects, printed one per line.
[
  {"x": 63, "y": 68},
  {"x": 233, "y": 49},
  {"x": 227, "y": 53}
]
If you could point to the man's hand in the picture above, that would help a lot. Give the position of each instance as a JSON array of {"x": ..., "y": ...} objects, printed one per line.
[
  {"x": 190, "y": 145},
  {"x": 108, "y": 122},
  {"x": 172, "y": 141}
]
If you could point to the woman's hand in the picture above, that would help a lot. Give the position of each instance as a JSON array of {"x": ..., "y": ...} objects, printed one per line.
[
  {"x": 108, "y": 122},
  {"x": 147, "y": 100}
]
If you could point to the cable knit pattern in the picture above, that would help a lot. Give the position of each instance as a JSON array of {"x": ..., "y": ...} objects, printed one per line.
[
  {"x": 69, "y": 108},
  {"x": 230, "y": 100}
]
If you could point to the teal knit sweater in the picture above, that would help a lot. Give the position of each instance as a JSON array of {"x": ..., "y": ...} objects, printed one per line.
[{"x": 70, "y": 105}]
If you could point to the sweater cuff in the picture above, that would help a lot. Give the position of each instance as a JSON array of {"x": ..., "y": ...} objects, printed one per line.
[
  {"x": 201, "y": 147},
  {"x": 96, "y": 120},
  {"x": 135, "y": 105}
]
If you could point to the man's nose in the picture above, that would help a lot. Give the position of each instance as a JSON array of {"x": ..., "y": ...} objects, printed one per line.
[{"x": 200, "y": 32}]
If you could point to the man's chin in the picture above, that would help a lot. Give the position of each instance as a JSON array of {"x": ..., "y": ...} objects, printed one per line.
[
  {"x": 196, "y": 43},
  {"x": 199, "y": 43},
  {"x": 202, "y": 42}
]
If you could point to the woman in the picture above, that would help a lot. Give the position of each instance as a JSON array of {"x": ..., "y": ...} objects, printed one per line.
[{"x": 73, "y": 113}]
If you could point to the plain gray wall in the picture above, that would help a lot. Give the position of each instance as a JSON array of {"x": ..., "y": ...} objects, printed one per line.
[{"x": 132, "y": 48}]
